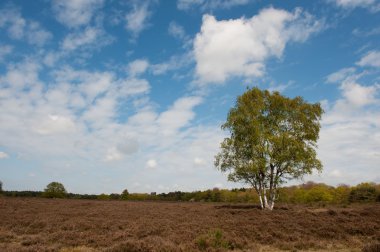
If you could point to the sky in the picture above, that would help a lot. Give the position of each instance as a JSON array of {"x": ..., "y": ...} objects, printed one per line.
[{"x": 104, "y": 96}]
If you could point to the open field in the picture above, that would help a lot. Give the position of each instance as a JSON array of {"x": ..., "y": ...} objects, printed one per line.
[{"x": 35, "y": 224}]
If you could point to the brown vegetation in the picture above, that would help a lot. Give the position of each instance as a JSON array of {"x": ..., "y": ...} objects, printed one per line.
[{"x": 36, "y": 224}]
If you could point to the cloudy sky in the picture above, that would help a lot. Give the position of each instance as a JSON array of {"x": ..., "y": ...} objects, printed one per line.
[{"x": 107, "y": 95}]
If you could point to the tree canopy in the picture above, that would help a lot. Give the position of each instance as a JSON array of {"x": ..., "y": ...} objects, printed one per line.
[
  {"x": 273, "y": 138},
  {"x": 55, "y": 190},
  {"x": 125, "y": 194}
]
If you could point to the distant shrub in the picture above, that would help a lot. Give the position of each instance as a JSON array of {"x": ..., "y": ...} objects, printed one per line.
[
  {"x": 103, "y": 196},
  {"x": 319, "y": 193},
  {"x": 114, "y": 196},
  {"x": 125, "y": 195},
  {"x": 364, "y": 192},
  {"x": 54, "y": 190}
]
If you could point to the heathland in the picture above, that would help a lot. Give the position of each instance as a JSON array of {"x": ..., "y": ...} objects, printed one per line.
[{"x": 39, "y": 224}]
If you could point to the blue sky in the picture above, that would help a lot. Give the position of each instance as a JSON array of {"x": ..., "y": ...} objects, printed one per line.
[{"x": 107, "y": 95}]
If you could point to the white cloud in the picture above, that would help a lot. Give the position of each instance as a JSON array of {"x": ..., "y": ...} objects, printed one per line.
[
  {"x": 90, "y": 37},
  {"x": 176, "y": 30},
  {"x": 74, "y": 13},
  {"x": 137, "y": 19},
  {"x": 133, "y": 86},
  {"x": 37, "y": 35},
  {"x": 3, "y": 155},
  {"x": 4, "y": 51},
  {"x": 340, "y": 75},
  {"x": 359, "y": 95},
  {"x": 199, "y": 161},
  {"x": 54, "y": 124},
  {"x": 12, "y": 19},
  {"x": 18, "y": 28},
  {"x": 21, "y": 76},
  {"x": 354, "y": 3},
  {"x": 372, "y": 59},
  {"x": 175, "y": 62},
  {"x": 83, "y": 112},
  {"x": 349, "y": 139},
  {"x": 113, "y": 154},
  {"x": 151, "y": 163},
  {"x": 240, "y": 47},
  {"x": 138, "y": 67},
  {"x": 179, "y": 115},
  {"x": 209, "y": 4}
]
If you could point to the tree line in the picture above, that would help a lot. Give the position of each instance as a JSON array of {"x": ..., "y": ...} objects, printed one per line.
[{"x": 307, "y": 193}]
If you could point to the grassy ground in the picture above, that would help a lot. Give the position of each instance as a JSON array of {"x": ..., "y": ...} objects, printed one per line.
[{"x": 28, "y": 224}]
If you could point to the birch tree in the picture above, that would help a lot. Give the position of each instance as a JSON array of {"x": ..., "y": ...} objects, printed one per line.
[{"x": 272, "y": 139}]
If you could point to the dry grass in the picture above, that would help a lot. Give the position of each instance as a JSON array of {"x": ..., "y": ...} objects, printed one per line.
[{"x": 86, "y": 226}]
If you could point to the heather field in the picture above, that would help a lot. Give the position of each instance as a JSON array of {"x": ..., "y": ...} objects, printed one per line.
[{"x": 37, "y": 224}]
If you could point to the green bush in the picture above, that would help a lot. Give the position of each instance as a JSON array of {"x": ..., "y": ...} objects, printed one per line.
[
  {"x": 214, "y": 239},
  {"x": 125, "y": 195},
  {"x": 54, "y": 190},
  {"x": 364, "y": 192}
]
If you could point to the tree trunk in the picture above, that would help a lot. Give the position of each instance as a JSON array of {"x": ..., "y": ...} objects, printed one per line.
[
  {"x": 261, "y": 201},
  {"x": 271, "y": 205}
]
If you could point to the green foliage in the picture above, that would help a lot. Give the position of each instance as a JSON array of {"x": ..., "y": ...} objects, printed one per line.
[
  {"x": 125, "y": 195},
  {"x": 103, "y": 196},
  {"x": 308, "y": 193},
  {"x": 55, "y": 190},
  {"x": 115, "y": 196},
  {"x": 341, "y": 194},
  {"x": 273, "y": 138},
  {"x": 364, "y": 192},
  {"x": 319, "y": 193},
  {"x": 214, "y": 239}
]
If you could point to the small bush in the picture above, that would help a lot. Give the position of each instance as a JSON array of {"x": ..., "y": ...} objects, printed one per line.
[
  {"x": 365, "y": 192},
  {"x": 214, "y": 239}
]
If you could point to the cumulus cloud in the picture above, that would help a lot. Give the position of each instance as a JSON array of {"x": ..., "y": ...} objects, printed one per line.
[
  {"x": 349, "y": 139},
  {"x": 354, "y": 3},
  {"x": 341, "y": 75},
  {"x": 74, "y": 40},
  {"x": 209, "y": 4},
  {"x": 19, "y": 28},
  {"x": 176, "y": 30},
  {"x": 178, "y": 115},
  {"x": 151, "y": 163},
  {"x": 173, "y": 63},
  {"x": 89, "y": 37},
  {"x": 372, "y": 59},
  {"x": 4, "y": 51},
  {"x": 3, "y": 155},
  {"x": 55, "y": 124},
  {"x": 240, "y": 47},
  {"x": 138, "y": 67},
  {"x": 358, "y": 95},
  {"x": 84, "y": 111},
  {"x": 199, "y": 161},
  {"x": 78, "y": 110},
  {"x": 371, "y": 5},
  {"x": 74, "y": 13},
  {"x": 137, "y": 18}
]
